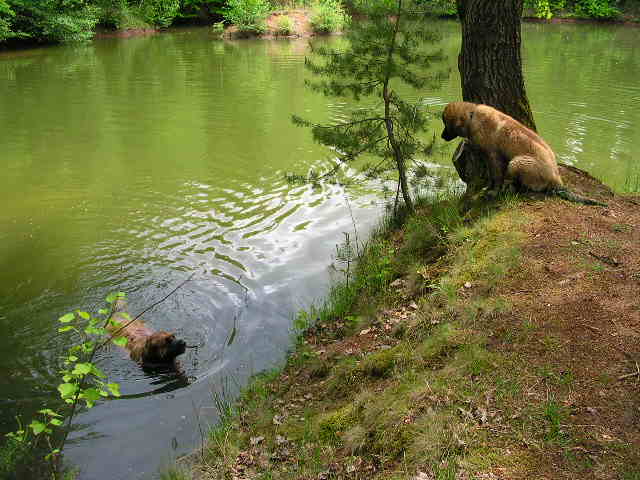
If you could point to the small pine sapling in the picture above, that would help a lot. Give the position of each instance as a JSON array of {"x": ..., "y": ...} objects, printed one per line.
[{"x": 387, "y": 50}]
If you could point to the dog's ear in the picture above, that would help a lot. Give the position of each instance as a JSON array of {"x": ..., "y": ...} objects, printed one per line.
[
  {"x": 163, "y": 347},
  {"x": 156, "y": 347},
  {"x": 164, "y": 339}
]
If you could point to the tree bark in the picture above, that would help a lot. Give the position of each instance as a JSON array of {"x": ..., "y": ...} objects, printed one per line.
[{"x": 490, "y": 65}]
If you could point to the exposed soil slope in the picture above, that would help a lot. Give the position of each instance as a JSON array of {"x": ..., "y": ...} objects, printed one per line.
[{"x": 301, "y": 18}]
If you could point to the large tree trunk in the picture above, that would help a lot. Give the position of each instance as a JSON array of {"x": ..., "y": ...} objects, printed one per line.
[{"x": 490, "y": 67}]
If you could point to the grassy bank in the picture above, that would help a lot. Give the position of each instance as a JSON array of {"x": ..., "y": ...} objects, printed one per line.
[{"x": 496, "y": 345}]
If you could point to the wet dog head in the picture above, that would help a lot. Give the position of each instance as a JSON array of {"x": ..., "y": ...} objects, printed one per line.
[
  {"x": 162, "y": 347},
  {"x": 456, "y": 118}
]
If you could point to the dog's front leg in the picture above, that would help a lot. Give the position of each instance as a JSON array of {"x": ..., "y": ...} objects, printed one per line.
[{"x": 497, "y": 170}]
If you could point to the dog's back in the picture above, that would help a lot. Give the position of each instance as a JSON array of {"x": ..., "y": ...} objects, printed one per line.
[
  {"x": 144, "y": 344},
  {"x": 492, "y": 128}
]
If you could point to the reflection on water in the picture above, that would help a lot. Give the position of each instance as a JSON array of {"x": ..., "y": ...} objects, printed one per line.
[
  {"x": 580, "y": 80},
  {"x": 130, "y": 164}
]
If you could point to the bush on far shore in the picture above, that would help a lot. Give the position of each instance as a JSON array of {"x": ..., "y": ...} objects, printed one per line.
[
  {"x": 328, "y": 16},
  {"x": 286, "y": 25},
  {"x": 248, "y": 15}
]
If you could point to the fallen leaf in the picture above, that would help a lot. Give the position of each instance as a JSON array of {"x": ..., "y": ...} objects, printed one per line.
[
  {"x": 483, "y": 415},
  {"x": 256, "y": 440}
]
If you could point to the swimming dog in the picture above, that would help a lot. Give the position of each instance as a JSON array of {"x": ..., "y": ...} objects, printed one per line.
[{"x": 145, "y": 346}]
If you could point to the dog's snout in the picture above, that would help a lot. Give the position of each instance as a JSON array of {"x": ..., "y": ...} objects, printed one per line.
[
  {"x": 448, "y": 136},
  {"x": 180, "y": 346}
]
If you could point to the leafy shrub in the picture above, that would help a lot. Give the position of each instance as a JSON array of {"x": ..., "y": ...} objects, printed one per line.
[
  {"x": 545, "y": 8},
  {"x": 542, "y": 9},
  {"x": 444, "y": 8},
  {"x": 217, "y": 28},
  {"x": 5, "y": 30},
  {"x": 248, "y": 15},
  {"x": 285, "y": 26},
  {"x": 156, "y": 12},
  {"x": 596, "y": 9},
  {"x": 75, "y": 26},
  {"x": 12, "y": 454},
  {"x": 112, "y": 12},
  {"x": 191, "y": 9},
  {"x": 290, "y": 4},
  {"x": 47, "y": 20},
  {"x": 6, "y": 14},
  {"x": 328, "y": 16},
  {"x": 75, "y": 20},
  {"x": 124, "y": 14}
]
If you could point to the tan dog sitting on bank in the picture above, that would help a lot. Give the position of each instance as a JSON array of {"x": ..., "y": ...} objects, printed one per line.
[
  {"x": 517, "y": 155},
  {"x": 145, "y": 346}
]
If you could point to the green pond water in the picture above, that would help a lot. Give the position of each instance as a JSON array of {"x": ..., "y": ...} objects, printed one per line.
[{"x": 129, "y": 164}]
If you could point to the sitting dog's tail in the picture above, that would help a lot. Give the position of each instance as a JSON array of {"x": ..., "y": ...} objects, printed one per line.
[{"x": 572, "y": 197}]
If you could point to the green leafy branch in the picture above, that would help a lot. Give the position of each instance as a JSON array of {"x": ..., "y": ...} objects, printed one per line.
[{"x": 82, "y": 381}]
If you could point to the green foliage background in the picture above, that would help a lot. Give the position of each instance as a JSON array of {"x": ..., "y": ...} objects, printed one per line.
[
  {"x": 328, "y": 16},
  {"x": 52, "y": 21},
  {"x": 248, "y": 15},
  {"x": 596, "y": 9}
]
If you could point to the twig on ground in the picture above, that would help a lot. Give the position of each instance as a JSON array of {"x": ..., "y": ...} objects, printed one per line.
[
  {"x": 608, "y": 260},
  {"x": 593, "y": 329},
  {"x": 633, "y": 374}
]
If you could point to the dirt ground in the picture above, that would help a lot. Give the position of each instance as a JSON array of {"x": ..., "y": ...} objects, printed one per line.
[
  {"x": 579, "y": 290},
  {"x": 301, "y": 19}
]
